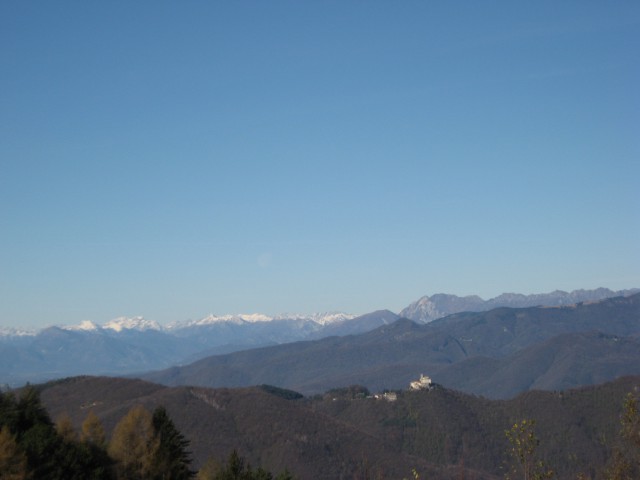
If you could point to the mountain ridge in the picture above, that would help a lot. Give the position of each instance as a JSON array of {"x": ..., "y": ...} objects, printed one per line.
[
  {"x": 392, "y": 355},
  {"x": 424, "y": 310},
  {"x": 126, "y": 345},
  {"x": 427, "y": 309}
]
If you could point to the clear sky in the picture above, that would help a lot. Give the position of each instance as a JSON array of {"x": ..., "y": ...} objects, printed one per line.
[{"x": 175, "y": 159}]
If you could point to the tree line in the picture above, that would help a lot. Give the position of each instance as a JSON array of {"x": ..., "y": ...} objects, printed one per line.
[{"x": 143, "y": 446}]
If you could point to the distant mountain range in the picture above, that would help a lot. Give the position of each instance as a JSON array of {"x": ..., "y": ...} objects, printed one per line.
[
  {"x": 129, "y": 345},
  {"x": 454, "y": 430},
  {"x": 142, "y": 324},
  {"x": 427, "y": 309},
  {"x": 498, "y": 353}
]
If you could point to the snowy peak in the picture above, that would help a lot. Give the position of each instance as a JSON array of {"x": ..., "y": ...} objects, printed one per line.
[
  {"x": 212, "y": 319},
  {"x": 319, "y": 318},
  {"x": 16, "y": 332},
  {"x": 119, "y": 324},
  {"x": 331, "y": 317},
  {"x": 255, "y": 317},
  {"x": 136, "y": 323},
  {"x": 245, "y": 318},
  {"x": 139, "y": 323},
  {"x": 84, "y": 326}
]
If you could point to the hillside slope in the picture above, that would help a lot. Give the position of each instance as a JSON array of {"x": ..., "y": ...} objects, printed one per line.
[
  {"x": 265, "y": 429},
  {"x": 427, "y": 309},
  {"x": 562, "y": 362},
  {"x": 474, "y": 343},
  {"x": 442, "y": 433}
]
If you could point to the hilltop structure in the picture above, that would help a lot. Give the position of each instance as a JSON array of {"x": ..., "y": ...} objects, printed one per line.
[{"x": 421, "y": 384}]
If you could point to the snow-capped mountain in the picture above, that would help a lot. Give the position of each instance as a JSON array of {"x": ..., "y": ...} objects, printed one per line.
[
  {"x": 323, "y": 319},
  {"x": 133, "y": 344},
  {"x": 135, "y": 323},
  {"x": 239, "y": 319},
  {"x": 16, "y": 332},
  {"x": 119, "y": 324},
  {"x": 84, "y": 326},
  {"x": 212, "y": 319}
]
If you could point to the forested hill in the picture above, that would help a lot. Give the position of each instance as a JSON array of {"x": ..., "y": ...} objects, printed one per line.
[
  {"x": 441, "y": 433},
  {"x": 498, "y": 353},
  {"x": 262, "y": 424}
]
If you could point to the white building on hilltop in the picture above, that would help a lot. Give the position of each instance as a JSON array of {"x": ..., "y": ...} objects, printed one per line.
[{"x": 423, "y": 383}]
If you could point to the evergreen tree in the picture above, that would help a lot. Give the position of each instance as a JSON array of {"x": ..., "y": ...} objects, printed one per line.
[
  {"x": 9, "y": 411},
  {"x": 171, "y": 459},
  {"x": 30, "y": 411},
  {"x": 101, "y": 466},
  {"x": 37, "y": 436},
  {"x": 235, "y": 469},
  {"x": 75, "y": 460}
]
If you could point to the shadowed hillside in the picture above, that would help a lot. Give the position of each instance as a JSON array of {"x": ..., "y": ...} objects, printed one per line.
[
  {"x": 267, "y": 429},
  {"x": 562, "y": 362},
  {"x": 442, "y": 433},
  {"x": 576, "y": 428}
]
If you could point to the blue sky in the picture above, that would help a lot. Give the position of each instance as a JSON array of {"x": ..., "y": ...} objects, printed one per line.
[{"x": 172, "y": 159}]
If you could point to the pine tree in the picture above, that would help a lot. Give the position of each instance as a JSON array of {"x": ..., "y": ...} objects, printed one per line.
[
  {"x": 235, "y": 469},
  {"x": 36, "y": 435},
  {"x": 172, "y": 459},
  {"x": 9, "y": 411},
  {"x": 30, "y": 411}
]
